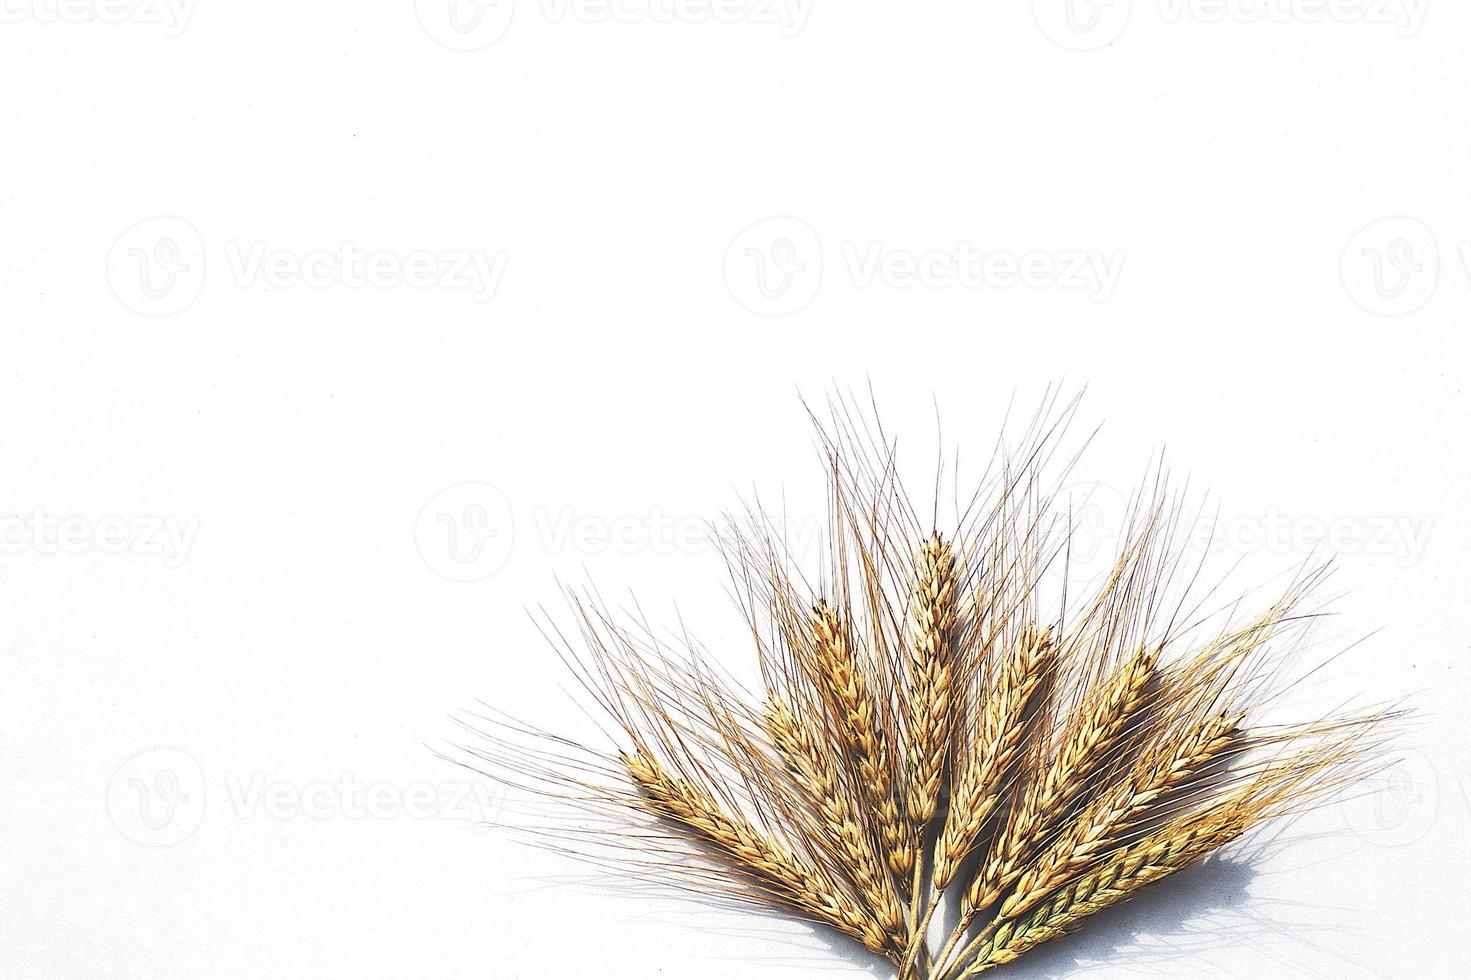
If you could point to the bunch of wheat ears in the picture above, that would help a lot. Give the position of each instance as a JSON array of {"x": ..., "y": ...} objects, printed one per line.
[{"x": 939, "y": 725}]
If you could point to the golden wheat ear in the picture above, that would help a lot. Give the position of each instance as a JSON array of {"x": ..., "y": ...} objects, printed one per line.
[{"x": 928, "y": 699}]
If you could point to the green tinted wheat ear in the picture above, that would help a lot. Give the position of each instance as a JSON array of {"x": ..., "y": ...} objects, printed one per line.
[
  {"x": 1120, "y": 877},
  {"x": 791, "y": 880},
  {"x": 1104, "y": 823},
  {"x": 844, "y": 686},
  {"x": 931, "y": 652},
  {"x": 1093, "y": 732},
  {"x": 841, "y": 825},
  {"x": 980, "y": 784}
]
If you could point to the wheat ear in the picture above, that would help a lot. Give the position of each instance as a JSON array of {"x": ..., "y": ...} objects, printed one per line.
[
  {"x": 979, "y": 786},
  {"x": 1102, "y": 824},
  {"x": 788, "y": 878},
  {"x": 1124, "y": 873},
  {"x": 933, "y": 619},
  {"x": 841, "y": 824},
  {"x": 982, "y": 781},
  {"x": 1104, "y": 719},
  {"x": 844, "y": 686},
  {"x": 933, "y": 622}
]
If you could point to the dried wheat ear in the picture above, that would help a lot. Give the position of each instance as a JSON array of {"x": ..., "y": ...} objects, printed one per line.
[{"x": 938, "y": 726}]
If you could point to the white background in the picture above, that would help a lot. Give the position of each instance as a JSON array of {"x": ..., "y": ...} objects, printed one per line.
[{"x": 213, "y": 753}]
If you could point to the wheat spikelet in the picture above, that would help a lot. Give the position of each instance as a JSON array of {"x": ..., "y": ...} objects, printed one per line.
[
  {"x": 852, "y": 845},
  {"x": 1106, "y": 821},
  {"x": 1101, "y": 721},
  {"x": 931, "y": 676},
  {"x": 791, "y": 879},
  {"x": 978, "y": 789}
]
